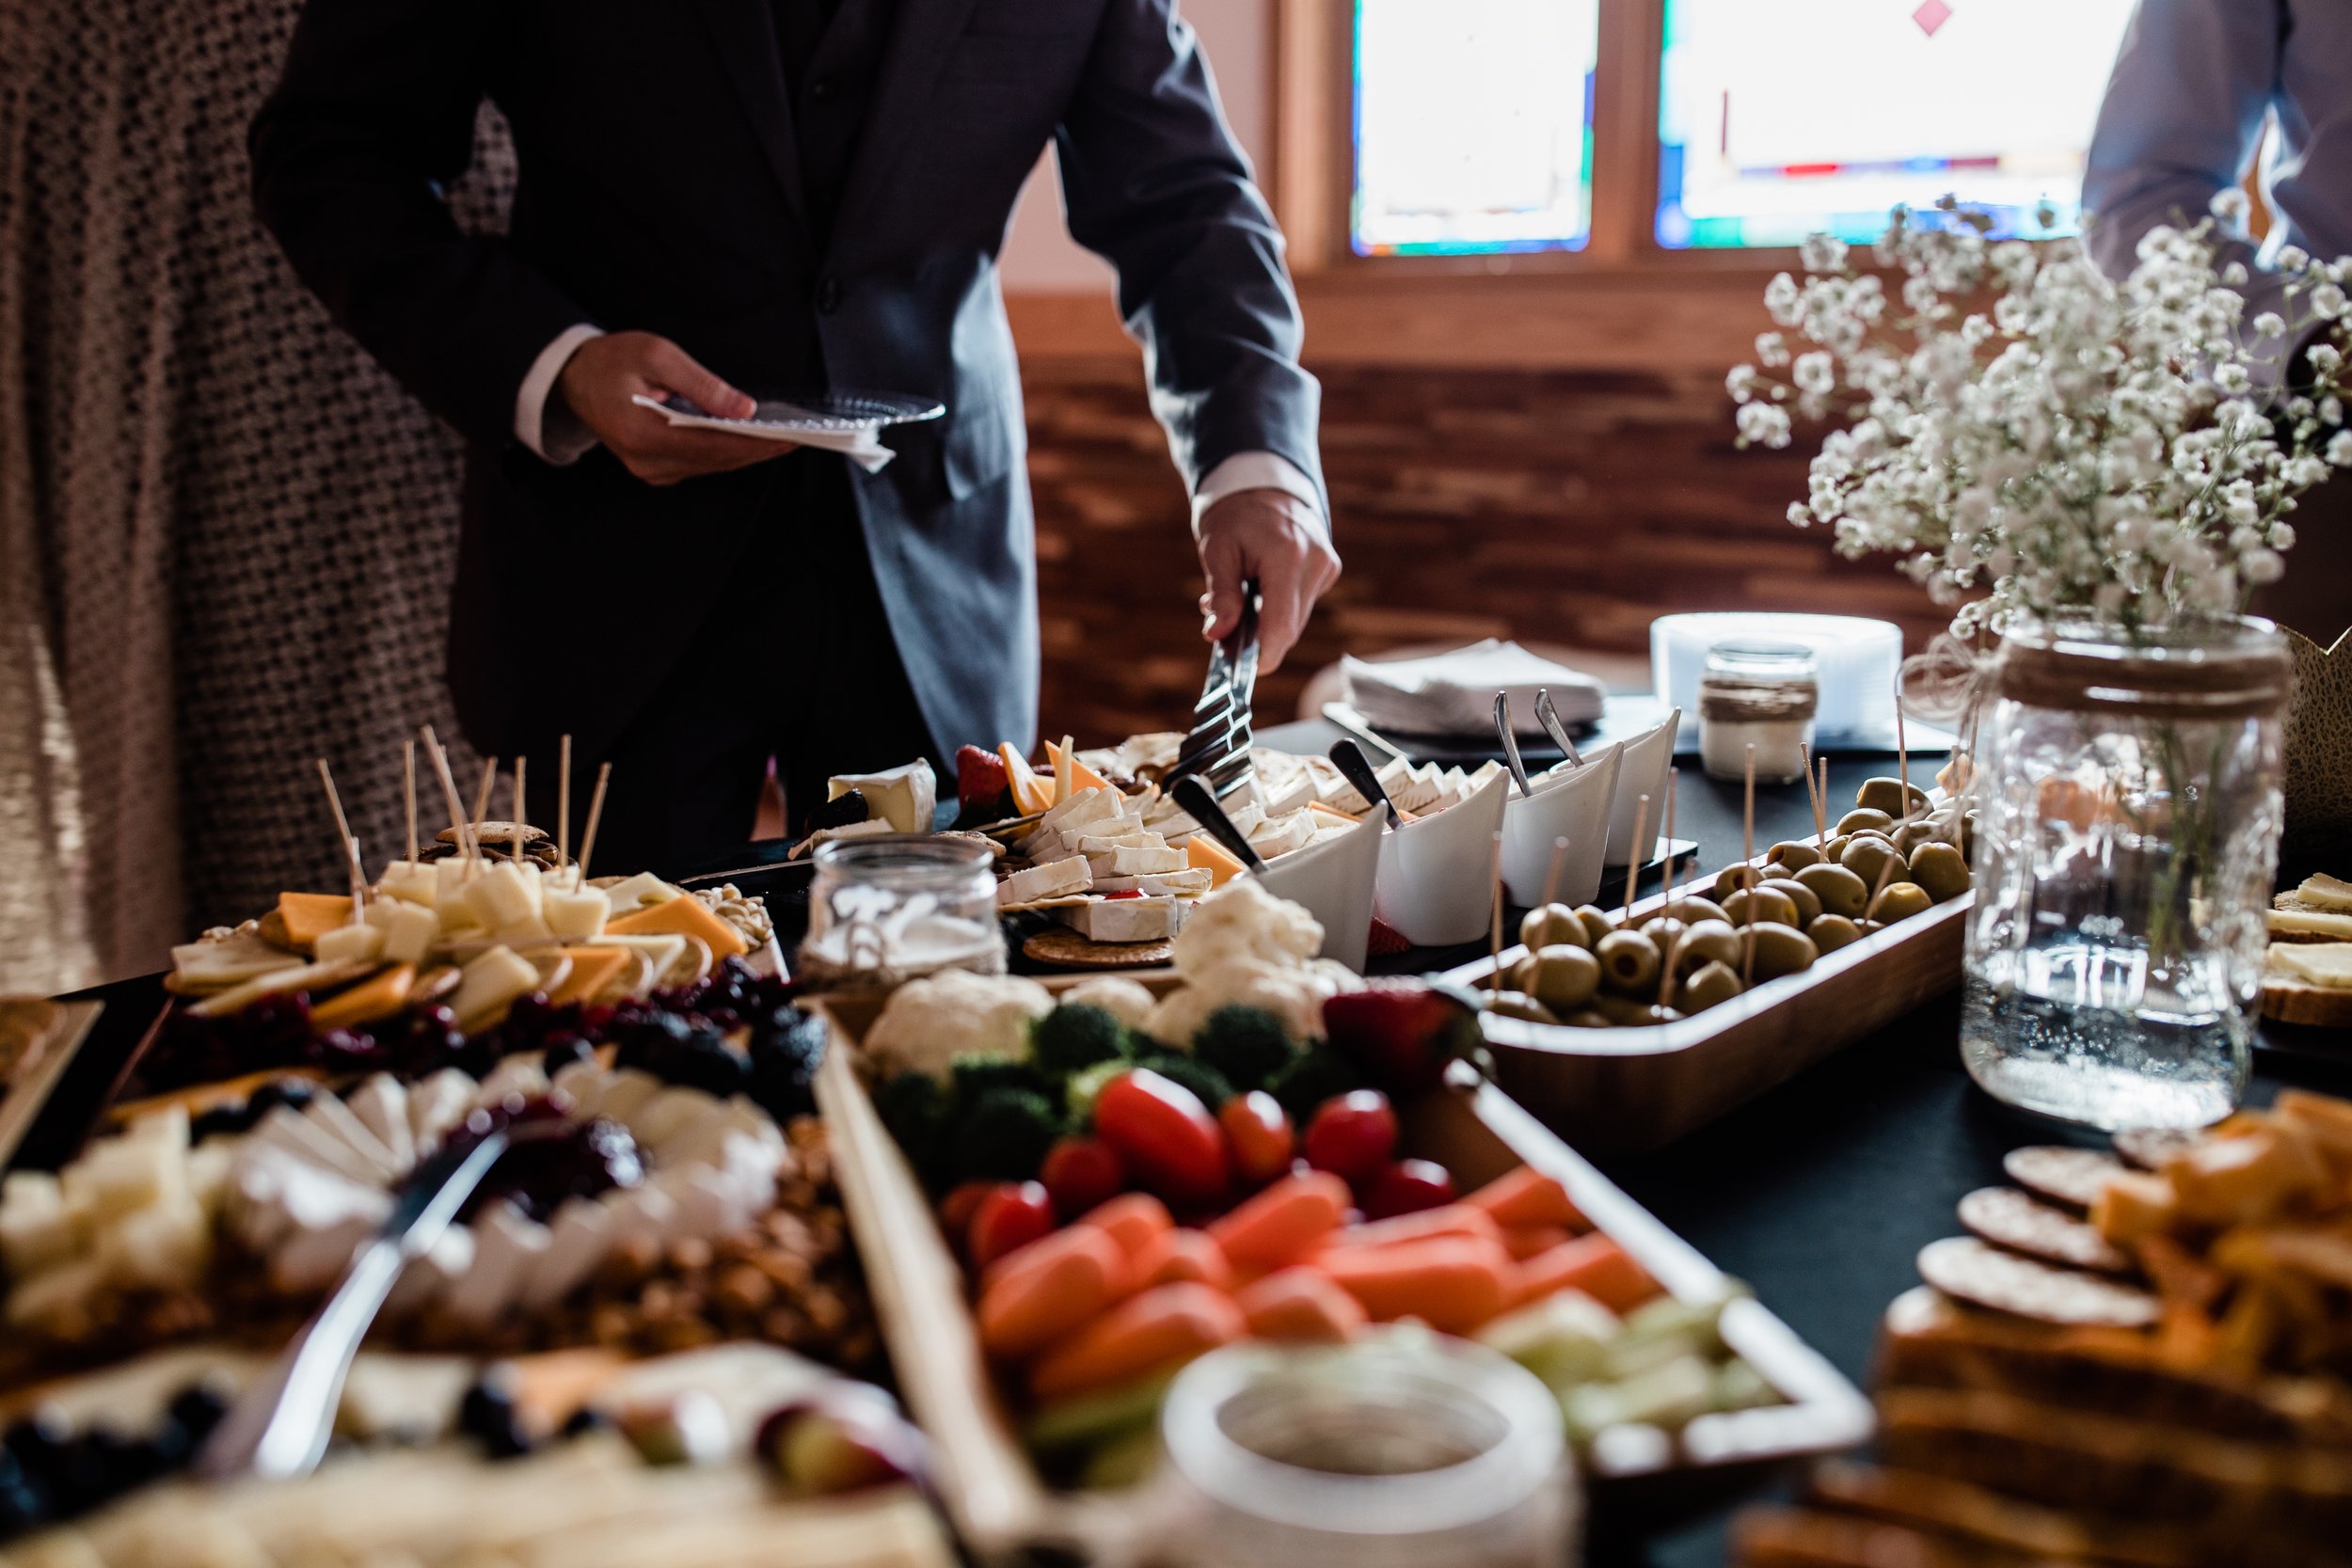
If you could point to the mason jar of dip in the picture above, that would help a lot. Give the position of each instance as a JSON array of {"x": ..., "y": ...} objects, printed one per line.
[
  {"x": 890, "y": 907},
  {"x": 1759, "y": 695}
]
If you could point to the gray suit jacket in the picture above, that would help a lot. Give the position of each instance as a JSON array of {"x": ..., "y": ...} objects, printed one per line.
[{"x": 660, "y": 189}]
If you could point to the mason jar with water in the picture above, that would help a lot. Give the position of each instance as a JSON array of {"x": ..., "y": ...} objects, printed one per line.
[{"x": 2128, "y": 815}]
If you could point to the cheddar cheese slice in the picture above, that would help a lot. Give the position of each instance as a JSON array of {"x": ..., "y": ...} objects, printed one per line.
[
  {"x": 380, "y": 996},
  {"x": 593, "y": 969},
  {"x": 1030, "y": 792},
  {"x": 1081, "y": 776},
  {"x": 685, "y": 917},
  {"x": 1204, "y": 853},
  {"x": 307, "y": 916}
]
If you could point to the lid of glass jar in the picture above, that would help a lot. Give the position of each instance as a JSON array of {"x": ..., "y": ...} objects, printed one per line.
[{"x": 2232, "y": 668}]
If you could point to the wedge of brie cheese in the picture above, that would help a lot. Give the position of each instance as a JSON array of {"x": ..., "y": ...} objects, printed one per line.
[{"x": 907, "y": 798}]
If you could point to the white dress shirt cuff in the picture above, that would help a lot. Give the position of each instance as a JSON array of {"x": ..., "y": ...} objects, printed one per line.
[
  {"x": 542, "y": 421},
  {"x": 1255, "y": 470}
]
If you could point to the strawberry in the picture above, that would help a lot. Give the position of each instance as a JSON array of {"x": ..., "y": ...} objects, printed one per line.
[
  {"x": 1401, "y": 1033},
  {"x": 979, "y": 777},
  {"x": 1386, "y": 941}
]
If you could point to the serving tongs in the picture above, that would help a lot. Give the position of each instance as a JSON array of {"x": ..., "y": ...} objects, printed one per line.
[
  {"x": 279, "y": 1428},
  {"x": 1548, "y": 716},
  {"x": 1217, "y": 750}
]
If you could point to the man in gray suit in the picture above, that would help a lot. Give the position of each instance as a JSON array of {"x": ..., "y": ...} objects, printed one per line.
[{"x": 729, "y": 199}]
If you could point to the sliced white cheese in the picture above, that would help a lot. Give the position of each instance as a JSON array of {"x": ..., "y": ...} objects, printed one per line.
[
  {"x": 2327, "y": 964},
  {"x": 530, "y": 931},
  {"x": 381, "y": 1104},
  {"x": 506, "y": 892},
  {"x": 36, "y": 1232},
  {"x": 229, "y": 961},
  {"x": 351, "y": 944},
  {"x": 1122, "y": 919},
  {"x": 662, "y": 949},
  {"x": 1087, "y": 806},
  {"x": 576, "y": 1243},
  {"x": 506, "y": 1248},
  {"x": 1281, "y": 835},
  {"x": 409, "y": 931},
  {"x": 451, "y": 876},
  {"x": 907, "y": 798},
  {"x": 411, "y": 883},
  {"x": 491, "y": 982},
  {"x": 1138, "y": 860},
  {"x": 437, "y": 1105},
  {"x": 337, "y": 1120},
  {"x": 633, "y": 893},
  {"x": 2327, "y": 892},
  {"x": 1195, "y": 881},
  {"x": 1051, "y": 880},
  {"x": 2313, "y": 922},
  {"x": 576, "y": 916}
]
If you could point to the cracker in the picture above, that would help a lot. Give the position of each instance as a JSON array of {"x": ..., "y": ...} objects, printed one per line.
[
  {"x": 1972, "y": 1271},
  {"x": 2011, "y": 1219},
  {"x": 2148, "y": 1147},
  {"x": 2069, "y": 1175},
  {"x": 1066, "y": 949}
]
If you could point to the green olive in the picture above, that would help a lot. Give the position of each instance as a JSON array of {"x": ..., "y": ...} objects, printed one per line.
[
  {"x": 1900, "y": 902},
  {"x": 1712, "y": 983},
  {"x": 1833, "y": 931},
  {"x": 1562, "y": 977},
  {"x": 1731, "y": 878},
  {"x": 1968, "y": 834},
  {"x": 1888, "y": 796},
  {"x": 1598, "y": 923},
  {"x": 1775, "y": 871},
  {"x": 1869, "y": 927},
  {"x": 1870, "y": 859},
  {"x": 1629, "y": 962},
  {"x": 1764, "y": 903},
  {"x": 1833, "y": 848},
  {"x": 1779, "y": 950},
  {"x": 1663, "y": 934},
  {"x": 1911, "y": 835},
  {"x": 1796, "y": 854},
  {"x": 1690, "y": 909},
  {"x": 1940, "y": 870},
  {"x": 1865, "y": 817},
  {"x": 1840, "y": 891},
  {"x": 1625, "y": 1011},
  {"x": 1707, "y": 942},
  {"x": 1588, "y": 1018},
  {"x": 1808, "y": 902},
  {"x": 1515, "y": 1003},
  {"x": 1552, "y": 925}
]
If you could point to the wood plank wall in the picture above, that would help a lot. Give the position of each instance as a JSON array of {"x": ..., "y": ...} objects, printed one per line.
[{"x": 1566, "y": 506}]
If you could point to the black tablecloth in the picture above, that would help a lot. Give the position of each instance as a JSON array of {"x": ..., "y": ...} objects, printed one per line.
[{"x": 1819, "y": 1194}]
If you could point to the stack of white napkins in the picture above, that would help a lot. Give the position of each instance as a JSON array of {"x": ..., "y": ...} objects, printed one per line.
[
  {"x": 860, "y": 442},
  {"x": 1454, "y": 693}
]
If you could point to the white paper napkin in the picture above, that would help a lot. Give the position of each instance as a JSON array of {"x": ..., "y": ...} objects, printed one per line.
[
  {"x": 1454, "y": 693},
  {"x": 857, "y": 442}
]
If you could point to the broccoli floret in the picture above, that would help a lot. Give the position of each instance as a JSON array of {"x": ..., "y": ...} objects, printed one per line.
[
  {"x": 1245, "y": 1045},
  {"x": 914, "y": 1108},
  {"x": 970, "y": 1077},
  {"x": 1078, "y": 1094},
  {"x": 1201, "y": 1078},
  {"x": 1003, "y": 1136},
  {"x": 1314, "y": 1075},
  {"x": 1074, "y": 1037}
]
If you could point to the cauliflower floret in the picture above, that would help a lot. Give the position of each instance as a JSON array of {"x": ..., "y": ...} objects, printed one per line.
[
  {"x": 1293, "y": 993},
  {"x": 927, "y": 1024},
  {"x": 1242, "y": 921},
  {"x": 1123, "y": 1000}
]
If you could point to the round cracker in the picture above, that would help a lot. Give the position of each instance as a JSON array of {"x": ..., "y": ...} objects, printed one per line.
[
  {"x": 1066, "y": 949},
  {"x": 2069, "y": 1175},
  {"x": 2011, "y": 1219},
  {"x": 2148, "y": 1147},
  {"x": 1974, "y": 1272}
]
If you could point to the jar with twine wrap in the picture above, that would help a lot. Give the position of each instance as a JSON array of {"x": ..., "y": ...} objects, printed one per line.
[{"x": 2127, "y": 787}]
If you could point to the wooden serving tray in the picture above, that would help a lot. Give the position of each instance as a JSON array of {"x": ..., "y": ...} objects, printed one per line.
[
  {"x": 1001, "y": 1506},
  {"x": 20, "y": 1101},
  {"x": 1638, "y": 1089}
]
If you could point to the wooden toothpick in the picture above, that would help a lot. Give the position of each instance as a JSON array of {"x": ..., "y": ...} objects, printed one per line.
[
  {"x": 1812, "y": 799},
  {"x": 482, "y": 795},
  {"x": 1494, "y": 935},
  {"x": 408, "y": 792},
  {"x": 1674, "y": 784},
  {"x": 1640, "y": 841},
  {"x": 1902, "y": 751},
  {"x": 515, "y": 844},
  {"x": 458, "y": 822},
  {"x": 350, "y": 845},
  {"x": 563, "y": 802},
  {"x": 595, "y": 813},
  {"x": 1559, "y": 868},
  {"x": 1747, "y": 872}
]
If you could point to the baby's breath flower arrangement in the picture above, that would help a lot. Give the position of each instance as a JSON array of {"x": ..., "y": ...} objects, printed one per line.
[{"x": 2032, "y": 439}]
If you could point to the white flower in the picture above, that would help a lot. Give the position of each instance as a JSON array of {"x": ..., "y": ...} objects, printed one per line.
[
  {"x": 1740, "y": 382},
  {"x": 1799, "y": 515},
  {"x": 2340, "y": 448},
  {"x": 2236, "y": 275},
  {"x": 1772, "y": 350},
  {"x": 2281, "y": 538},
  {"x": 1763, "y": 424},
  {"x": 2231, "y": 378},
  {"x": 2327, "y": 301},
  {"x": 2230, "y": 205},
  {"x": 2331, "y": 411},
  {"x": 1781, "y": 297},
  {"x": 1823, "y": 253},
  {"x": 2324, "y": 357},
  {"x": 2261, "y": 566},
  {"x": 2270, "y": 325},
  {"x": 2305, "y": 471},
  {"x": 1814, "y": 373},
  {"x": 2294, "y": 258}
]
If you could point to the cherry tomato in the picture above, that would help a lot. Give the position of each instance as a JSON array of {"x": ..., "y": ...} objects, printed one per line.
[
  {"x": 1081, "y": 1173},
  {"x": 1165, "y": 1136},
  {"x": 1352, "y": 1135},
  {"x": 1408, "y": 1187},
  {"x": 1010, "y": 1215},
  {"x": 1258, "y": 1131},
  {"x": 961, "y": 1202}
]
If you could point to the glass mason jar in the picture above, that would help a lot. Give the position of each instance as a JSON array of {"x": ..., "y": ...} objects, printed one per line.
[
  {"x": 1759, "y": 695},
  {"x": 890, "y": 906},
  {"x": 2127, "y": 809},
  {"x": 1399, "y": 1449}
]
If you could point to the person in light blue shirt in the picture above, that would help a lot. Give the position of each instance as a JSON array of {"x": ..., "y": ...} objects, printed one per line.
[{"x": 2195, "y": 84}]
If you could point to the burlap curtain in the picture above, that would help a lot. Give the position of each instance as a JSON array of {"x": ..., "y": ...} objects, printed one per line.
[{"x": 226, "y": 536}]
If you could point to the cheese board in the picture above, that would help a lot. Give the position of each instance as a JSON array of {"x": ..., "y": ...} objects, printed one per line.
[{"x": 1006, "y": 1500}]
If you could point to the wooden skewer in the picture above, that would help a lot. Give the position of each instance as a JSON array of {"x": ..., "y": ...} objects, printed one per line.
[
  {"x": 515, "y": 843},
  {"x": 1902, "y": 751},
  {"x": 350, "y": 845},
  {"x": 408, "y": 792},
  {"x": 1494, "y": 935},
  {"x": 1633, "y": 867},
  {"x": 1820, "y": 810},
  {"x": 1811, "y": 799},
  {"x": 1558, "y": 867},
  {"x": 482, "y": 795},
  {"x": 449, "y": 792},
  {"x": 595, "y": 813},
  {"x": 563, "y": 802},
  {"x": 1747, "y": 874},
  {"x": 1674, "y": 787}
]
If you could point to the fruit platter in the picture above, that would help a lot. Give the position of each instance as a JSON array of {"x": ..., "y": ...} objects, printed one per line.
[
  {"x": 1067, "y": 1192},
  {"x": 1627, "y": 1028}
]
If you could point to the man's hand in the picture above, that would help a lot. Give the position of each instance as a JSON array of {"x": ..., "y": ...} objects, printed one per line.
[
  {"x": 1273, "y": 536},
  {"x": 605, "y": 373}
]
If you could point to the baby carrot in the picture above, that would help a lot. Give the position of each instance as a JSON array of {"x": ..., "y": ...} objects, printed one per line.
[
  {"x": 1132, "y": 1219},
  {"x": 1525, "y": 1241},
  {"x": 1160, "y": 1329},
  {"x": 1452, "y": 1283},
  {"x": 1300, "y": 1304},
  {"x": 1180, "y": 1255},
  {"x": 1067, "y": 1279},
  {"x": 1284, "y": 1223},
  {"x": 1594, "y": 1264},
  {"x": 1528, "y": 1196},
  {"x": 1451, "y": 1219}
]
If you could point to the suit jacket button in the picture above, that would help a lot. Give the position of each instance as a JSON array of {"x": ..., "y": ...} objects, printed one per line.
[{"x": 829, "y": 295}]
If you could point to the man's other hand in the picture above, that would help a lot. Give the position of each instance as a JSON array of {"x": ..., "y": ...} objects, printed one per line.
[
  {"x": 1277, "y": 538},
  {"x": 606, "y": 372}
]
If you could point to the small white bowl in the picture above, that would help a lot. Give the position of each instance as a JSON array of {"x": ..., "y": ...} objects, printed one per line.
[
  {"x": 1647, "y": 756},
  {"x": 1572, "y": 804},
  {"x": 1334, "y": 880},
  {"x": 1437, "y": 874}
]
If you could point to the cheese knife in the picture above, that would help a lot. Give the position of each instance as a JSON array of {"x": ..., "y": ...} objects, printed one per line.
[
  {"x": 1511, "y": 743},
  {"x": 1202, "y": 807},
  {"x": 1357, "y": 770},
  {"x": 1548, "y": 716}
]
